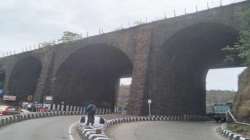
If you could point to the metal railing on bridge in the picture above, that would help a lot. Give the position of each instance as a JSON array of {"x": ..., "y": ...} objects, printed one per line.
[{"x": 197, "y": 8}]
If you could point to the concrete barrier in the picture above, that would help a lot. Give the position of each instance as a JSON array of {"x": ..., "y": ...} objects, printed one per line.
[
  {"x": 229, "y": 134},
  {"x": 91, "y": 134}
]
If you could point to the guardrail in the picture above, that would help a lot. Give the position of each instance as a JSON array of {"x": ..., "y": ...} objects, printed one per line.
[
  {"x": 60, "y": 107},
  {"x": 235, "y": 120}
]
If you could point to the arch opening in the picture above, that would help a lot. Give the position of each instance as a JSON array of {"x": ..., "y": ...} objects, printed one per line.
[
  {"x": 183, "y": 64},
  {"x": 123, "y": 94},
  {"x": 221, "y": 89},
  {"x": 92, "y": 75},
  {"x": 24, "y": 78}
]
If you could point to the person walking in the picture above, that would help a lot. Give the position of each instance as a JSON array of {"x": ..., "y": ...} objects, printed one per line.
[{"x": 91, "y": 110}]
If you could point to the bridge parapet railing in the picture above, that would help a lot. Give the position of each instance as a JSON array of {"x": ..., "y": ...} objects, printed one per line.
[{"x": 207, "y": 5}]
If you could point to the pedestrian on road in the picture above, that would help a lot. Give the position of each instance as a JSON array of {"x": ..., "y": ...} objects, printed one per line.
[{"x": 91, "y": 109}]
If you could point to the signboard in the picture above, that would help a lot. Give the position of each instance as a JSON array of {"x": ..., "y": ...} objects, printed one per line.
[
  {"x": 149, "y": 101},
  {"x": 48, "y": 98},
  {"x": 29, "y": 98},
  {"x": 9, "y": 98},
  {"x": 221, "y": 108}
]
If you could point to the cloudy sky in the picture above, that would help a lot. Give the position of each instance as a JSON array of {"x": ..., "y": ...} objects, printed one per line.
[{"x": 24, "y": 23}]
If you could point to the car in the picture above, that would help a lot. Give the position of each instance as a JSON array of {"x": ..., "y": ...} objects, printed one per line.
[
  {"x": 8, "y": 110},
  {"x": 24, "y": 111}
]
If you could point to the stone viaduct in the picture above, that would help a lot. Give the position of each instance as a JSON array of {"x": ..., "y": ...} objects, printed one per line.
[{"x": 168, "y": 61}]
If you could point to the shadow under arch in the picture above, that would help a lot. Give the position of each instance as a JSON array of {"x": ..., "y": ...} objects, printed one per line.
[
  {"x": 91, "y": 74},
  {"x": 183, "y": 63},
  {"x": 2, "y": 81},
  {"x": 24, "y": 78}
]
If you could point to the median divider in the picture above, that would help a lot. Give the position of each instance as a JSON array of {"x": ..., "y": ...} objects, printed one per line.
[{"x": 95, "y": 133}]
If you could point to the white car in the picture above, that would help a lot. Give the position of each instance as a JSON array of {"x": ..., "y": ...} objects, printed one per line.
[{"x": 24, "y": 111}]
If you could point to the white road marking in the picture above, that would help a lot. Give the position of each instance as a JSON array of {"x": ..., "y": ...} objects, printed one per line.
[{"x": 70, "y": 130}]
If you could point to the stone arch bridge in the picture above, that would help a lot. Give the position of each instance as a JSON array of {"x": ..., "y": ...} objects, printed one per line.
[{"x": 168, "y": 61}]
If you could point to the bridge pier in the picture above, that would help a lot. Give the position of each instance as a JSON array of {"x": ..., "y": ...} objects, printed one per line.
[{"x": 137, "y": 100}]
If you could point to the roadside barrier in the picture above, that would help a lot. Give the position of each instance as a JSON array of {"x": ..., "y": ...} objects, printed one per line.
[
  {"x": 230, "y": 114},
  {"x": 72, "y": 110},
  {"x": 229, "y": 134}
]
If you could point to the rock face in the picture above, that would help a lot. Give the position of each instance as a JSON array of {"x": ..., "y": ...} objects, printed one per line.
[{"x": 242, "y": 101}]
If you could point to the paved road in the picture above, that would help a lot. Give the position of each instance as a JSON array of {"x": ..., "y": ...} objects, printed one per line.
[
  {"x": 54, "y": 128},
  {"x": 165, "y": 131}
]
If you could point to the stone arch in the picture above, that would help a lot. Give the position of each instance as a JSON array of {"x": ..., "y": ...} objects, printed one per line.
[
  {"x": 91, "y": 74},
  {"x": 182, "y": 66},
  {"x": 24, "y": 77}
]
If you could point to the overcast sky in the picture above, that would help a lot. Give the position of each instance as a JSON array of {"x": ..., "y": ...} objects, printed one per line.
[{"x": 24, "y": 23}]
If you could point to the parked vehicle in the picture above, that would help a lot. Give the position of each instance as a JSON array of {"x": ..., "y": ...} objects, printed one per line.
[
  {"x": 8, "y": 110},
  {"x": 24, "y": 111}
]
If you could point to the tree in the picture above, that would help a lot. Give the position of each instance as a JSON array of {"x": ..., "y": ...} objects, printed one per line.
[
  {"x": 70, "y": 36},
  {"x": 244, "y": 42},
  {"x": 242, "y": 47}
]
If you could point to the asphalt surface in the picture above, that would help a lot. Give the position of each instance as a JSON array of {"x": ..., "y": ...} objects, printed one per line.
[
  {"x": 53, "y": 128},
  {"x": 165, "y": 131}
]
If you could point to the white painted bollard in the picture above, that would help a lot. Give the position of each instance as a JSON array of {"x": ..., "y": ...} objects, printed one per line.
[
  {"x": 54, "y": 107},
  {"x": 67, "y": 108},
  {"x": 81, "y": 110},
  {"x": 84, "y": 110},
  {"x": 62, "y": 107},
  {"x": 71, "y": 108},
  {"x": 58, "y": 108}
]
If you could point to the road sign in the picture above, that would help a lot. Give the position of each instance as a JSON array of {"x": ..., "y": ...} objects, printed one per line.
[
  {"x": 48, "y": 98},
  {"x": 149, "y": 107},
  {"x": 149, "y": 101},
  {"x": 9, "y": 98},
  {"x": 29, "y": 98}
]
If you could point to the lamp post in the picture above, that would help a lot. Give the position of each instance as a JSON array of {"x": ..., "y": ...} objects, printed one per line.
[{"x": 149, "y": 107}]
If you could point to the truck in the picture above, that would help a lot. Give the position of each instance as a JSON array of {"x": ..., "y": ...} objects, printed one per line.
[{"x": 219, "y": 112}]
